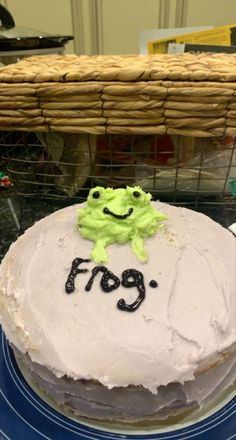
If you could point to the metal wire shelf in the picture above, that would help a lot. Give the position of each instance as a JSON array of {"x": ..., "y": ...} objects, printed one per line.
[{"x": 189, "y": 171}]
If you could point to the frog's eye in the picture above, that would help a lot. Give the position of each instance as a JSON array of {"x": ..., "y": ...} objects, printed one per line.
[
  {"x": 96, "y": 194},
  {"x": 136, "y": 194}
]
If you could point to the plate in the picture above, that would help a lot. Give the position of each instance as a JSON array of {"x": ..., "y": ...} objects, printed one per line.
[{"x": 24, "y": 414}]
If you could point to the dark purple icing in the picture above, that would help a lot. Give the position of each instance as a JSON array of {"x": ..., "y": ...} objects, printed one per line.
[
  {"x": 109, "y": 282},
  {"x": 120, "y": 217},
  {"x": 106, "y": 277},
  {"x": 132, "y": 278},
  {"x": 153, "y": 283},
  {"x": 70, "y": 282},
  {"x": 96, "y": 194},
  {"x": 136, "y": 194}
]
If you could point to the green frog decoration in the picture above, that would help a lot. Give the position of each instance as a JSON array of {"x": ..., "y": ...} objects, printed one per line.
[{"x": 119, "y": 216}]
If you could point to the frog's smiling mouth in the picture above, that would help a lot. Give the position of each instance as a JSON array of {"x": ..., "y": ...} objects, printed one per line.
[{"x": 113, "y": 214}]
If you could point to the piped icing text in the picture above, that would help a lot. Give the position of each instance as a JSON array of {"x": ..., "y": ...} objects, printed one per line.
[{"x": 109, "y": 282}]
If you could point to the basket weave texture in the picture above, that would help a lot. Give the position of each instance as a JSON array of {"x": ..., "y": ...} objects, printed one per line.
[{"x": 183, "y": 94}]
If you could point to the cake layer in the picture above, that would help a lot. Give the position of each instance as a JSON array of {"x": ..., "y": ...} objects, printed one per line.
[
  {"x": 130, "y": 404},
  {"x": 187, "y": 314}
]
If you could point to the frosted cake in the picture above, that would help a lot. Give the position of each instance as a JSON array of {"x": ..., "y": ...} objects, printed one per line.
[{"x": 123, "y": 308}]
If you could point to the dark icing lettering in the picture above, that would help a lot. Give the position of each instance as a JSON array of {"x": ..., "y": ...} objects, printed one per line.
[
  {"x": 109, "y": 282},
  {"x": 70, "y": 283},
  {"x": 132, "y": 278},
  {"x": 107, "y": 276},
  {"x": 153, "y": 283}
]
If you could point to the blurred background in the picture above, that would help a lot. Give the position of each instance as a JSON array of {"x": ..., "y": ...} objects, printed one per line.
[{"x": 114, "y": 26}]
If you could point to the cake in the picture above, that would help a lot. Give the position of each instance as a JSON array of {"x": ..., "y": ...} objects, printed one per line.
[{"x": 123, "y": 308}]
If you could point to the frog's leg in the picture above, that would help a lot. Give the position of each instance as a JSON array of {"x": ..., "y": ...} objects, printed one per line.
[
  {"x": 99, "y": 253},
  {"x": 137, "y": 245}
]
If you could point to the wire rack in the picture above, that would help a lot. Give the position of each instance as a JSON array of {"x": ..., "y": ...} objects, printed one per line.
[{"x": 177, "y": 169}]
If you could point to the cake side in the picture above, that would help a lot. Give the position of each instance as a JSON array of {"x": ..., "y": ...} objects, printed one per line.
[{"x": 129, "y": 404}]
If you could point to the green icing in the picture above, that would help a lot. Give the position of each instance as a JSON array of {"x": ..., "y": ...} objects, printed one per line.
[
  {"x": 232, "y": 185},
  {"x": 118, "y": 216}
]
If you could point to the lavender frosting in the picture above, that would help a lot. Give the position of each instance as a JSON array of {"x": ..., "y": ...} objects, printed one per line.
[{"x": 188, "y": 318}]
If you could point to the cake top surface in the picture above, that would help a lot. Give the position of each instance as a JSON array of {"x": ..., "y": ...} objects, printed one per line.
[
  {"x": 119, "y": 215},
  {"x": 187, "y": 313}
]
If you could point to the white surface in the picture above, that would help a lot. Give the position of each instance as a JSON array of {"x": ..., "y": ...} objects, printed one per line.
[{"x": 156, "y": 34}]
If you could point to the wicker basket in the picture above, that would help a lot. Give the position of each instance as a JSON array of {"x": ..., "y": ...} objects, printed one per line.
[
  {"x": 166, "y": 122},
  {"x": 184, "y": 94}
]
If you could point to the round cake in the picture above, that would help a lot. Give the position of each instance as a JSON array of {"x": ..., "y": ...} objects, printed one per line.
[{"x": 123, "y": 308}]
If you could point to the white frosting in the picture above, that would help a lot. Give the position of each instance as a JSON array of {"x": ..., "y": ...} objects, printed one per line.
[{"x": 189, "y": 317}]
